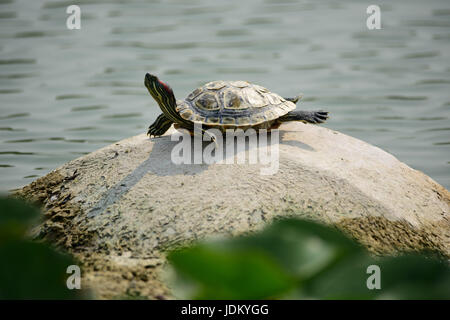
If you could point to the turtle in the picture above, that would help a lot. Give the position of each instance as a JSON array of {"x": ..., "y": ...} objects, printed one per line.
[{"x": 225, "y": 105}]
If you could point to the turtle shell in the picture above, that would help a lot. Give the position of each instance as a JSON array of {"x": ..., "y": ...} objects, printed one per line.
[{"x": 233, "y": 103}]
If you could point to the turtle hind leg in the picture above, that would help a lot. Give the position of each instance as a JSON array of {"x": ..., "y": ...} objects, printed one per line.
[
  {"x": 294, "y": 99},
  {"x": 160, "y": 126},
  {"x": 305, "y": 116}
]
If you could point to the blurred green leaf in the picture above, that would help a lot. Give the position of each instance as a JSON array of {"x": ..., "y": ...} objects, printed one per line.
[
  {"x": 302, "y": 247},
  {"x": 33, "y": 271},
  {"x": 404, "y": 277},
  {"x": 415, "y": 277},
  {"x": 302, "y": 259},
  {"x": 345, "y": 279},
  {"x": 231, "y": 275},
  {"x": 16, "y": 217},
  {"x": 29, "y": 270}
]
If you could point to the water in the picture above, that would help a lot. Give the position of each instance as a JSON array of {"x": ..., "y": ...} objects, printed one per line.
[{"x": 65, "y": 93}]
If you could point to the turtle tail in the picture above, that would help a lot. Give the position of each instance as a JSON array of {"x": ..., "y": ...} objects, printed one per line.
[
  {"x": 305, "y": 116},
  {"x": 294, "y": 99}
]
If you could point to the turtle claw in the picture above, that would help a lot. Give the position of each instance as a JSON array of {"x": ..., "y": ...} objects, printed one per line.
[
  {"x": 314, "y": 117},
  {"x": 320, "y": 116},
  {"x": 152, "y": 132}
]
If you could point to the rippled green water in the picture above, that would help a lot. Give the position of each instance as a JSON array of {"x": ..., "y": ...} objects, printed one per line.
[{"x": 65, "y": 93}]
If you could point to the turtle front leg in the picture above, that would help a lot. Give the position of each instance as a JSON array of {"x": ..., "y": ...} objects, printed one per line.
[{"x": 160, "y": 126}]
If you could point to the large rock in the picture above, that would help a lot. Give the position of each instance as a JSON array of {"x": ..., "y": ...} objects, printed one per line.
[{"x": 119, "y": 208}]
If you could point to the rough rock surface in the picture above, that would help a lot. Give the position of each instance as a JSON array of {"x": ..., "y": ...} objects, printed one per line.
[{"x": 118, "y": 208}]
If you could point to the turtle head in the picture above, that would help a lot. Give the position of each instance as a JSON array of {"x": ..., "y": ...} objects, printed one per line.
[
  {"x": 159, "y": 90},
  {"x": 163, "y": 94}
]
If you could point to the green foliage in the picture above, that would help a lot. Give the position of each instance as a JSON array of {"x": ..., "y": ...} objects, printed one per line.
[
  {"x": 304, "y": 260},
  {"x": 29, "y": 270},
  {"x": 234, "y": 274},
  {"x": 15, "y": 218}
]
